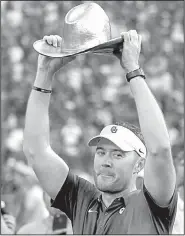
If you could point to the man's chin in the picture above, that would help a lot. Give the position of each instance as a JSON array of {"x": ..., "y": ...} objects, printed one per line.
[
  {"x": 107, "y": 189},
  {"x": 109, "y": 185},
  {"x": 105, "y": 186}
]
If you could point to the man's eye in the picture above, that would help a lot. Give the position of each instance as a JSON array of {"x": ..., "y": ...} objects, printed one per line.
[
  {"x": 117, "y": 155},
  {"x": 100, "y": 153}
]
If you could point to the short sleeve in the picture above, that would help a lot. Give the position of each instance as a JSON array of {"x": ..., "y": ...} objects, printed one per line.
[
  {"x": 71, "y": 195},
  {"x": 163, "y": 217}
]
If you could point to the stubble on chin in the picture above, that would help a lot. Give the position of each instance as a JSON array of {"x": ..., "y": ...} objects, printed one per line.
[
  {"x": 102, "y": 186},
  {"x": 111, "y": 188}
]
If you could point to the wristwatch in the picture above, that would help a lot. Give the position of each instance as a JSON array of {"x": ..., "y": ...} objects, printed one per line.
[{"x": 135, "y": 73}]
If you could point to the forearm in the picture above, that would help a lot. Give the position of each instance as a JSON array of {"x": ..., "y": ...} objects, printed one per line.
[
  {"x": 151, "y": 119},
  {"x": 36, "y": 133}
]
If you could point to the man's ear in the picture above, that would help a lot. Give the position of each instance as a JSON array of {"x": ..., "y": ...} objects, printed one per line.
[{"x": 139, "y": 165}]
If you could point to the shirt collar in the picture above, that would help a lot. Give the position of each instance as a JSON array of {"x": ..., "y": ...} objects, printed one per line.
[
  {"x": 124, "y": 199},
  {"x": 116, "y": 200}
]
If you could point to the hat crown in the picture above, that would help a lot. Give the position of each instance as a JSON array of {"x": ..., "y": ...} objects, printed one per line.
[{"x": 85, "y": 26}]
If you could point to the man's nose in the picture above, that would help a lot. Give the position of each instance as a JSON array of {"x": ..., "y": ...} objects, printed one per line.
[{"x": 107, "y": 160}]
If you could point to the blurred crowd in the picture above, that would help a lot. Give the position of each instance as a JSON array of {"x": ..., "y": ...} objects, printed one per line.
[{"x": 88, "y": 94}]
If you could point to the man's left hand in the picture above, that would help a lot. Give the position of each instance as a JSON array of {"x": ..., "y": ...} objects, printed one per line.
[{"x": 129, "y": 57}]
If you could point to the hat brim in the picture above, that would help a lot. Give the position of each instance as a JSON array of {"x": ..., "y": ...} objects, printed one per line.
[
  {"x": 108, "y": 47},
  {"x": 45, "y": 49},
  {"x": 121, "y": 144}
]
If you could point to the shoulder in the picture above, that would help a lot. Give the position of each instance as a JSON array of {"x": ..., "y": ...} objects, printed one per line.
[
  {"x": 81, "y": 184},
  {"x": 134, "y": 198},
  {"x": 87, "y": 191},
  {"x": 75, "y": 193}
]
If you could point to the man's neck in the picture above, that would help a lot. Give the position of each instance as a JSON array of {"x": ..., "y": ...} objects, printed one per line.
[{"x": 108, "y": 198}]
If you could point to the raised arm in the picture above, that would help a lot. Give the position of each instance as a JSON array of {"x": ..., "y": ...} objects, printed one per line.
[
  {"x": 159, "y": 177},
  {"x": 50, "y": 169}
]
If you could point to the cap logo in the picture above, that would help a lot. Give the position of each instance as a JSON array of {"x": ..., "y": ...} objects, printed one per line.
[
  {"x": 121, "y": 210},
  {"x": 114, "y": 129}
]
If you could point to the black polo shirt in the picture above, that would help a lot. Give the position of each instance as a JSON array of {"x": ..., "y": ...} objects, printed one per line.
[{"x": 134, "y": 213}]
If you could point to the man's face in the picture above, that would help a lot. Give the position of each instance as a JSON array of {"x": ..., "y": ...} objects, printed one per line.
[{"x": 113, "y": 167}]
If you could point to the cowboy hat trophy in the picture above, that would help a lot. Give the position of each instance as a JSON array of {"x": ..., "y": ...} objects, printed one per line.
[{"x": 86, "y": 29}]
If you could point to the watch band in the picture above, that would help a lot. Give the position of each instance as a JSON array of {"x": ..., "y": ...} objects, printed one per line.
[
  {"x": 135, "y": 73},
  {"x": 41, "y": 90}
]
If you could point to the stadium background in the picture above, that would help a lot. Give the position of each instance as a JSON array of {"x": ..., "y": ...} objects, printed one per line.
[{"x": 88, "y": 93}]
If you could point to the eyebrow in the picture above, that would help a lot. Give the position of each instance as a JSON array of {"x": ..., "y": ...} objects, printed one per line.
[
  {"x": 98, "y": 148},
  {"x": 101, "y": 148}
]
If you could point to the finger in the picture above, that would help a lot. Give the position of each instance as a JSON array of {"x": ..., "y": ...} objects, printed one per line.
[
  {"x": 48, "y": 39},
  {"x": 59, "y": 40},
  {"x": 125, "y": 36},
  {"x": 117, "y": 53},
  {"x": 139, "y": 39},
  {"x": 45, "y": 38},
  {"x": 133, "y": 36},
  {"x": 54, "y": 40}
]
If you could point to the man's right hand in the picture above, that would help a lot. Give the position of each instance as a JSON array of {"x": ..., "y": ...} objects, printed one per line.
[{"x": 50, "y": 64}]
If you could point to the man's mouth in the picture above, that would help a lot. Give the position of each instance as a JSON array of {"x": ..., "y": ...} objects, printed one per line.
[
  {"x": 106, "y": 175},
  {"x": 107, "y": 178}
]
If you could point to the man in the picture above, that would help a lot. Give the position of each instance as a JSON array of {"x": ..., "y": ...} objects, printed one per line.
[{"x": 112, "y": 206}]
